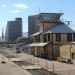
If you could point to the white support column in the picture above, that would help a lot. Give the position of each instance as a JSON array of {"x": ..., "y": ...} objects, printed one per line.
[
  {"x": 72, "y": 37},
  {"x": 35, "y": 51}
]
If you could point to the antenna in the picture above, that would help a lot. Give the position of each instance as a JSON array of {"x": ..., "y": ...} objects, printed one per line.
[{"x": 68, "y": 22}]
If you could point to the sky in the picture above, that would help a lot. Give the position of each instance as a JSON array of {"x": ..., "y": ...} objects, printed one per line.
[{"x": 11, "y": 9}]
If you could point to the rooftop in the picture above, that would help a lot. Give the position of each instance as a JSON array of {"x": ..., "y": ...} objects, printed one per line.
[
  {"x": 39, "y": 44},
  {"x": 52, "y": 13},
  {"x": 62, "y": 28}
]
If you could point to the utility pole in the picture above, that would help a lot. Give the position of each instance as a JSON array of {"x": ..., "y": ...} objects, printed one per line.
[{"x": 68, "y": 22}]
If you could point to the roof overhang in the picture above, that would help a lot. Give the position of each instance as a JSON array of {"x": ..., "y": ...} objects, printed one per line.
[
  {"x": 35, "y": 34},
  {"x": 39, "y": 44}
]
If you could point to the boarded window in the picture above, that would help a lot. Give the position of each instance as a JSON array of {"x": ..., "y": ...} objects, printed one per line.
[
  {"x": 69, "y": 37},
  {"x": 73, "y": 36},
  {"x": 58, "y": 37}
]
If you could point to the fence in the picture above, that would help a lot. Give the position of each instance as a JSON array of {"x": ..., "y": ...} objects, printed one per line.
[
  {"x": 46, "y": 64},
  {"x": 49, "y": 65}
]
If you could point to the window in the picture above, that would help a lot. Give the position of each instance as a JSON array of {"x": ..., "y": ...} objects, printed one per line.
[
  {"x": 58, "y": 37},
  {"x": 73, "y": 36},
  {"x": 48, "y": 37},
  {"x": 49, "y": 17},
  {"x": 41, "y": 38},
  {"x": 73, "y": 55},
  {"x": 37, "y": 38},
  {"x": 45, "y": 38},
  {"x": 69, "y": 37}
]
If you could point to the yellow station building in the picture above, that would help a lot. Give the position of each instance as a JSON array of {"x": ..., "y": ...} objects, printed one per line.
[{"x": 53, "y": 36}]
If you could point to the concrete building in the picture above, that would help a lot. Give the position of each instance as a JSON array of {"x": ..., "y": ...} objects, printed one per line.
[
  {"x": 33, "y": 25},
  {"x": 52, "y": 34},
  {"x": 13, "y": 30}
]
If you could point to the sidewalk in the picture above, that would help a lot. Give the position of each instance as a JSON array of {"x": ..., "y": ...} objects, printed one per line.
[{"x": 9, "y": 68}]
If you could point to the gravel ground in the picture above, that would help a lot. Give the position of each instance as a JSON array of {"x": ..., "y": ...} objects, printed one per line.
[
  {"x": 22, "y": 63},
  {"x": 10, "y": 56},
  {"x": 35, "y": 71},
  {"x": 41, "y": 72}
]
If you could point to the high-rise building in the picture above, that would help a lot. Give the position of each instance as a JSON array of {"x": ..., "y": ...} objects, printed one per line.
[
  {"x": 13, "y": 29},
  {"x": 33, "y": 24}
]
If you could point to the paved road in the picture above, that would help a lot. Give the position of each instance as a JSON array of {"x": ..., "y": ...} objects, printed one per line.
[{"x": 58, "y": 67}]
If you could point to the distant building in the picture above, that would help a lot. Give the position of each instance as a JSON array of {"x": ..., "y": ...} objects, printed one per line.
[
  {"x": 25, "y": 34},
  {"x": 13, "y": 30},
  {"x": 33, "y": 25}
]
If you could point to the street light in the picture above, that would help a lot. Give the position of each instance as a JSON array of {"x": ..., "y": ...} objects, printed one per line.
[{"x": 3, "y": 61}]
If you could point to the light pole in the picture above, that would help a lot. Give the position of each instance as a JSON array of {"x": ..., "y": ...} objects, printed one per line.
[{"x": 3, "y": 61}]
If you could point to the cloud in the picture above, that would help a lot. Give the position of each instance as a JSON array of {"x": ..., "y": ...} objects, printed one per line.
[
  {"x": 21, "y": 6},
  {"x": 15, "y": 11},
  {"x": 4, "y": 5}
]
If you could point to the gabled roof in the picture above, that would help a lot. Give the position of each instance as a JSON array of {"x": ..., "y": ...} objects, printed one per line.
[{"x": 63, "y": 28}]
